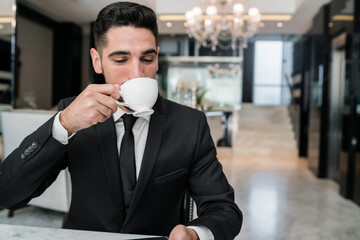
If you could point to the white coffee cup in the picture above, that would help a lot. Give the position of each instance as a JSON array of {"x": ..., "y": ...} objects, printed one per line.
[{"x": 139, "y": 94}]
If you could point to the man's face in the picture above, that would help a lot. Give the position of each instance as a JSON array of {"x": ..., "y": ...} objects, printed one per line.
[{"x": 130, "y": 53}]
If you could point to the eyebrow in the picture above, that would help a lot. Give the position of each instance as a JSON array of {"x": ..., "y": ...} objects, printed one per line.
[
  {"x": 119, "y": 53},
  {"x": 149, "y": 51}
]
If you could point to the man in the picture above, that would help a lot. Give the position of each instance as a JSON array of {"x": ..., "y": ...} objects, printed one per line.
[{"x": 174, "y": 151}]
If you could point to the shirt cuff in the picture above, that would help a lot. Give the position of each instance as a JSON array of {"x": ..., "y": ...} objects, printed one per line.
[
  {"x": 59, "y": 132},
  {"x": 203, "y": 232}
]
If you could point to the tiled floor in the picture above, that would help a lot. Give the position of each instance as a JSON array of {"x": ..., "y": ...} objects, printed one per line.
[
  {"x": 33, "y": 216},
  {"x": 281, "y": 199},
  {"x": 279, "y": 196}
]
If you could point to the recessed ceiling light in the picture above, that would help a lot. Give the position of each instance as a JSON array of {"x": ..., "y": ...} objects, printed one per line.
[
  {"x": 330, "y": 24},
  {"x": 5, "y": 19},
  {"x": 279, "y": 24},
  {"x": 169, "y": 24},
  {"x": 343, "y": 18}
]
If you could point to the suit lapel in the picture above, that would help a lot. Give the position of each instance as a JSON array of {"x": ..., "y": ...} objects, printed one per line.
[
  {"x": 107, "y": 140},
  {"x": 153, "y": 142}
]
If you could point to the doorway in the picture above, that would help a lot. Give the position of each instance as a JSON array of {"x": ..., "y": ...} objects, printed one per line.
[{"x": 270, "y": 87}]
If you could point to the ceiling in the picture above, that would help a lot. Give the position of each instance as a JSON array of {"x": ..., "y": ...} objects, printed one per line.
[{"x": 85, "y": 11}]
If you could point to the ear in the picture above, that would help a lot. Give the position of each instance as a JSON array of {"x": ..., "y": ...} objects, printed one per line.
[{"x": 96, "y": 60}]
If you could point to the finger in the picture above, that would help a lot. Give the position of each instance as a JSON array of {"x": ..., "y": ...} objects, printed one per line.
[
  {"x": 115, "y": 93},
  {"x": 98, "y": 113},
  {"x": 107, "y": 101},
  {"x": 117, "y": 86},
  {"x": 106, "y": 89},
  {"x": 103, "y": 113}
]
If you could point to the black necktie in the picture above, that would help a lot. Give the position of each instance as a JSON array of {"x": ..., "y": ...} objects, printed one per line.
[{"x": 127, "y": 160}]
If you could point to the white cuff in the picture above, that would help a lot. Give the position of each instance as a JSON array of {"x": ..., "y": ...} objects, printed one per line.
[
  {"x": 59, "y": 132},
  {"x": 203, "y": 232}
]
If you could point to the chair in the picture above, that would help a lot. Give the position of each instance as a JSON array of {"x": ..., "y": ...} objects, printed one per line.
[{"x": 215, "y": 121}]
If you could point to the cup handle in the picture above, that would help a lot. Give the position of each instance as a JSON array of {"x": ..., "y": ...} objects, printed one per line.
[{"x": 121, "y": 103}]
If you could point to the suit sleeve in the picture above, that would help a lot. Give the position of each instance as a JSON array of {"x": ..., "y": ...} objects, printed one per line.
[
  {"x": 32, "y": 167},
  {"x": 211, "y": 191}
]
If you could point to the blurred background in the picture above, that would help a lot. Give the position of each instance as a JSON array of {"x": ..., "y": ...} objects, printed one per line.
[{"x": 278, "y": 80}]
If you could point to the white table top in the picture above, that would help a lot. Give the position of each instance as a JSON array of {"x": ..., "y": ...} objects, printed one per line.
[{"x": 10, "y": 232}]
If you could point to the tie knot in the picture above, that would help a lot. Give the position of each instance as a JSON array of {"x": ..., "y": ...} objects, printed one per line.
[{"x": 129, "y": 121}]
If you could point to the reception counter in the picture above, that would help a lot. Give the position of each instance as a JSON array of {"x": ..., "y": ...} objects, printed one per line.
[{"x": 10, "y": 232}]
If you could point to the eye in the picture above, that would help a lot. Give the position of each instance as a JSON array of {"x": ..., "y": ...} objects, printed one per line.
[
  {"x": 147, "y": 60},
  {"x": 120, "y": 60}
]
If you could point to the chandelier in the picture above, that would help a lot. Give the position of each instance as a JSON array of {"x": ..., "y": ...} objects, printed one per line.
[{"x": 220, "y": 29}]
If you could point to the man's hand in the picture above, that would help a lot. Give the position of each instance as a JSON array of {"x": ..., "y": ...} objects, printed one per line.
[
  {"x": 180, "y": 232},
  {"x": 95, "y": 104}
]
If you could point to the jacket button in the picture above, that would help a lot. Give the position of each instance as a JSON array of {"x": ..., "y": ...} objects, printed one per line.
[
  {"x": 23, "y": 156},
  {"x": 35, "y": 145}
]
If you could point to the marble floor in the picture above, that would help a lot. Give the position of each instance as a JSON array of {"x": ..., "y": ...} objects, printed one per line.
[{"x": 280, "y": 198}]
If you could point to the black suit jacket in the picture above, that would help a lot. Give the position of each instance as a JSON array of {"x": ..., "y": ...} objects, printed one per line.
[{"x": 179, "y": 155}]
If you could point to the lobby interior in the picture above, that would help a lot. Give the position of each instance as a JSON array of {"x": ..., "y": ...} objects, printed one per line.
[{"x": 283, "y": 105}]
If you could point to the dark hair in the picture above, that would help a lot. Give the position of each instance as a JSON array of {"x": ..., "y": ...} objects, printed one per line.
[{"x": 123, "y": 14}]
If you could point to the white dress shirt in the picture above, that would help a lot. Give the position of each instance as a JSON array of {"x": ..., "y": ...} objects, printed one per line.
[{"x": 140, "y": 131}]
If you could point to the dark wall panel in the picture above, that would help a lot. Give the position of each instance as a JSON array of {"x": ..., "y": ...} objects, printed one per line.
[
  {"x": 5, "y": 53},
  {"x": 248, "y": 73},
  {"x": 67, "y": 61}
]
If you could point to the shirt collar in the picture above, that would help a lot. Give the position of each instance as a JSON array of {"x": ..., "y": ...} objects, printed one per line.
[{"x": 118, "y": 114}]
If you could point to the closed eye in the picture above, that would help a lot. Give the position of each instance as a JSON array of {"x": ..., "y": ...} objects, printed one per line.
[
  {"x": 147, "y": 60},
  {"x": 120, "y": 60}
]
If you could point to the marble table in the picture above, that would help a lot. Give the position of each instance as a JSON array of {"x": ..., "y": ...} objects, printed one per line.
[{"x": 10, "y": 232}]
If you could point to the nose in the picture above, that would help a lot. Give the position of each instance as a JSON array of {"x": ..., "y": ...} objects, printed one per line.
[{"x": 136, "y": 70}]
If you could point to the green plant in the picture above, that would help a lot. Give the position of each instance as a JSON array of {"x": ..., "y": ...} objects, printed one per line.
[{"x": 200, "y": 93}]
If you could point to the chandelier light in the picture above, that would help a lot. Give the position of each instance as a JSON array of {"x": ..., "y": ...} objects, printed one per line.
[{"x": 218, "y": 28}]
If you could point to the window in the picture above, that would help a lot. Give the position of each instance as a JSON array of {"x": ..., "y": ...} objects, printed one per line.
[{"x": 269, "y": 88}]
